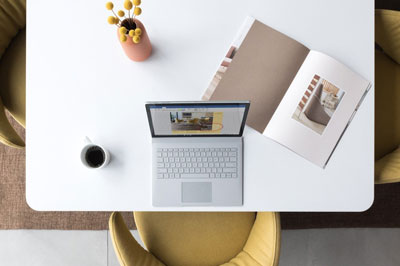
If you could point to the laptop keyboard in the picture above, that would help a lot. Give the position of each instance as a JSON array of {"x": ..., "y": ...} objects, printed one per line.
[{"x": 175, "y": 163}]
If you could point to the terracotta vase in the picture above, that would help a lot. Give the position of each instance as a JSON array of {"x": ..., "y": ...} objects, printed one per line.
[{"x": 136, "y": 51}]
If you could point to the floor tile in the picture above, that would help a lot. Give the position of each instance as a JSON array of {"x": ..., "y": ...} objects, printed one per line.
[
  {"x": 345, "y": 247},
  {"x": 53, "y": 247}
]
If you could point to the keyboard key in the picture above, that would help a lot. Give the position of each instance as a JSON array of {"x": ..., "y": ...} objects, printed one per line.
[
  {"x": 205, "y": 175},
  {"x": 232, "y": 159},
  {"x": 161, "y": 170},
  {"x": 230, "y": 164},
  {"x": 160, "y": 165},
  {"x": 160, "y": 175},
  {"x": 229, "y": 170}
]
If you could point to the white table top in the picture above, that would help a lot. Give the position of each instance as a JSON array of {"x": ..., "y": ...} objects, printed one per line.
[{"x": 80, "y": 83}]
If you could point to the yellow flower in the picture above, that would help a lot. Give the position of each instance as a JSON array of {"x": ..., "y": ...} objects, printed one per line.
[
  {"x": 123, "y": 38},
  {"x": 138, "y": 31},
  {"x": 122, "y": 30},
  {"x": 111, "y": 20},
  {"x": 137, "y": 11},
  {"x": 136, "y": 39},
  {"x": 137, "y": 2},
  {"x": 131, "y": 33},
  {"x": 121, "y": 13},
  {"x": 109, "y": 5},
  {"x": 128, "y": 5}
]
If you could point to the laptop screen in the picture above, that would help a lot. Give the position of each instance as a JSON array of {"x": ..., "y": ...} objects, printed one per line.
[{"x": 195, "y": 119}]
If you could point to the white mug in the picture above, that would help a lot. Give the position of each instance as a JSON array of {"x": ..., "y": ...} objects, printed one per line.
[{"x": 93, "y": 155}]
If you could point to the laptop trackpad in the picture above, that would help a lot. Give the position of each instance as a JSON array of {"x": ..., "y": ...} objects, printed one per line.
[{"x": 196, "y": 192}]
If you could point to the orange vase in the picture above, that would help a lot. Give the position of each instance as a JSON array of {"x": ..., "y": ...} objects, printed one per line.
[{"x": 136, "y": 51}]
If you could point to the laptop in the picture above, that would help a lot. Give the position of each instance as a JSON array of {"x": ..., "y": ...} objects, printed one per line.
[{"x": 197, "y": 152}]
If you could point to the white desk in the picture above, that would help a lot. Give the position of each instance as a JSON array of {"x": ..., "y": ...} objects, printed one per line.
[{"x": 79, "y": 83}]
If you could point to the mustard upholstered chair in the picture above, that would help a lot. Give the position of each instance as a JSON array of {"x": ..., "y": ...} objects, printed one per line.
[
  {"x": 198, "y": 238},
  {"x": 387, "y": 96},
  {"x": 12, "y": 68}
]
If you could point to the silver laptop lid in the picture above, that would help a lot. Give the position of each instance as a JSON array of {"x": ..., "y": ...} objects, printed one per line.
[{"x": 197, "y": 119}]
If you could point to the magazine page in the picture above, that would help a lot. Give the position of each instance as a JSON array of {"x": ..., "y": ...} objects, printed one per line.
[
  {"x": 317, "y": 108},
  {"x": 259, "y": 67}
]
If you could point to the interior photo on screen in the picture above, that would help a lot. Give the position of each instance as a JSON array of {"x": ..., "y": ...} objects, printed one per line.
[
  {"x": 182, "y": 122},
  {"x": 318, "y": 104},
  {"x": 215, "y": 119}
]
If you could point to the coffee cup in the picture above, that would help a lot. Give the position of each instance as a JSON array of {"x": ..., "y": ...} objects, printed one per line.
[{"x": 93, "y": 155}]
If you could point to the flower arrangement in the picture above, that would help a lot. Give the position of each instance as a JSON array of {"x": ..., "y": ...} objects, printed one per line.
[{"x": 128, "y": 28}]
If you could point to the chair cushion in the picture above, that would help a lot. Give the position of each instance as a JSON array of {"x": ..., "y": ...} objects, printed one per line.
[
  {"x": 12, "y": 19},
  {"x": 263, "y": 245},
  {"x": 387, "y": 32},
  {"x": 387, "y": 169},
  {"x": 387, "y": 107},
  {"x": 194, "y": 238},
  {"x": 12, "y": 78}
]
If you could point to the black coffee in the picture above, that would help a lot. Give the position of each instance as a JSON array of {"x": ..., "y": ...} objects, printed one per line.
[{"x": 95, "y": 156}]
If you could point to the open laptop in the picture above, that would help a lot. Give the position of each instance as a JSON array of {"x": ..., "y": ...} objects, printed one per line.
[{"x": 197, "y": 152}]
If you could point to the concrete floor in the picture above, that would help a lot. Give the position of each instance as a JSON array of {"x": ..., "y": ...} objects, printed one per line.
[{"x": 327, "y": 247}]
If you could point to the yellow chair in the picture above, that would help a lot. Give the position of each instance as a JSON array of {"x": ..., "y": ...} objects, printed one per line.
[
  {"x": 12, "y": 68},
  {"x": 198, "y": 238},
  {"x": 387, "y": 96}
]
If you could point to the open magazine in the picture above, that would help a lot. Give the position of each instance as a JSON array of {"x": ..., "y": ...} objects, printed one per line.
[{"x": 300, "y": 98}]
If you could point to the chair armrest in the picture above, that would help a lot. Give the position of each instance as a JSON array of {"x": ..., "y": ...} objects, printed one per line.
[
  {"x": 387, "y": 169},
  {"x": 8, "y": 136},
  {"x": 127, "y": 249}
]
